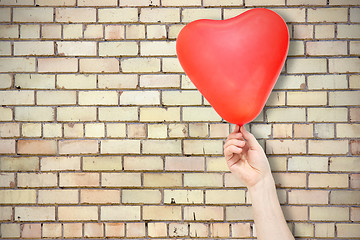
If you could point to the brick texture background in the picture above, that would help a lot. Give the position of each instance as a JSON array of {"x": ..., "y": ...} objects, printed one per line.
[{"x": 103, "y": 135}]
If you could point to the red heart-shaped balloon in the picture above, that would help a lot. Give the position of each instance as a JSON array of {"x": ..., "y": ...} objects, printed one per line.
[{"x": 235, "y": 63}]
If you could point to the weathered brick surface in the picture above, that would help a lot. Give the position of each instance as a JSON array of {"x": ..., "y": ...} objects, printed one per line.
[{"x": 102, "y": 134}]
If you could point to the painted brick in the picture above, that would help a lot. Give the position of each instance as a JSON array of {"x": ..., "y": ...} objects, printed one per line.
[{"x": 71, "y": 15}]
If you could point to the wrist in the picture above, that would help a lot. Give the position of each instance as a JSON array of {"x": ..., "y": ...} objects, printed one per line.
[{"x": 266, "y": 184}]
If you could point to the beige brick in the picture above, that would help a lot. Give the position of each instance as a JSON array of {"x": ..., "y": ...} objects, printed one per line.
[
  {"x": 178, "y": 229},
  {"x": 51, "y": 230},
  {"x": 72, "y": 230},
  {"x": 344, "y": 197},
  {"x": 285, "y": 146},
  {"x": 78, "y": 147},
  {"x": 346, "y": 2},
  {"x": 103, "y": 163},
  {"x": 36, "y": 180},
  {"x": 206, "y": 213},
  {"x": 72, "y": 130},
  {"x": 17, "y": 196},
  {"x": 324, "y": 130},
  {"x": 355, "y": 181},
  {"x": 9, "y": 31},
  {"x": 76, "y": 114},
  {"x": 122, "y": 81},
  {"x": 94, "y": 31},
  {"x": 17, "y": 97},
  {"x": 303, "y": 230},
  {"x": 219, "y": 130},
  {"x": 328, "y": 15},
  {"x": 265, "y": 3},
  {"x": 135, "y": 229},
  {"x": 19, "y": 163},
  {"x": 10, "y": 230},
  {"x": 160, "y": 114},
  {"x": 285, "y": 114},
  {"x": 327, "y": 114},
  {"x": 276, "y": 99},
  {"x": 181, "y": 98},
  {"x": 118, "y": 49},
  {"x": 328, "y": 146},
  {"x": 6, "y": 114},
  {"x": 7, "y": 180},
  {"x": 17, "y": 64},
  {"x": 38, "y": 14},
  {"x": 313, "y": 164},
  {"x": 324, "y": 230},
  {"x": 328, "y": 181},
  {"x": 329, "y": 214},
  {"x": 308, "y": 197},
  {"x": 94, "y": 196},
  {"x": 348, "y": 31},
  {"x": 76, "y": 48},
  {"x": 344, "y": 164},
  {"x": 140, "y": 98},
  {"x": 39, "y": 147},
  {"x": 120, "y": 146},
  {"x": 161, "y": 147},
  {"x": 57, "y": 98},
  {"x": 326, "y": 48},
  {"x": 163, "y": 213},
  {"x": 240, "y": 230},
  {"x": 203, "y": 147},
  {"x": 136, "y": 131},
  {"x": 183, "y": 196},
  {"x": 157, "y": 131},
  {"x": 213, "y": 3},
  {"x": 291, "y": 14},
  {"x": 51, "y": 31},
  {"x": 31, "y": 130},
  {"x": 78, "y": 213},
  {"x": 30, "y": 32},
  {"x": 94, "y": 3},
  {"x": 37, "y": 81},
  {"x": 199, "y": 230},
  {"x": 93, "y": 230},
  {"x": 135, "y": 32},
  {"x": 347, "y": 130},
  {"x": 77, "y": 81},
  {"x": 219, "y": 229},
  {"x": 98, "y": 98},
  {"x": 171, "y": 65},
  {"x": 324, "y": 31},
  {"x": 297, "y": 213},
  {"x": 5, "y": 14},
  {"x": 155, "y": 15},
  {"x": 156, "y": 32},
  {"x": 9, "y": 130},
  {"x": 306, "y": 65},
  {"x": 35, "y": 213},
  {"x": 114, "y": 32},
  {"x": 277, "y": 163},
  {"x": 71, "y": 15},
  {"x": 118, "y": 114},
  {"x": 347, "y": 230},
  {"x": 141, "y": 196},
  {"x": 306, "y": 2},
  {"x": 142, "y": 65},
  {"x": 139, "y": 163},
  {"x": 33, "y": 48},
  {"x": 178, "y": 130},
  {"x": 174, "y": 30},
  {"x": 290, "y": 180},
  {"x": 57, "y": 65},
  {"x": 346, "y": 65},
  {"x": 184, "y": 164},
  {"x": 7, "y": 146},
  {"x": 224, "y": 197},
  {"x": 344, "y": 98},
  {"x": 58, "y": 196},
  {"x": 79, "y": 179},
  {"x": 117, "y": 15},
  {"x": 115, "y": 229},
  {"x": 203, "y": 180},
  {"x": 232, "y": 181},
  {"x": 120, "y": 213},
  {"x": 162, "y": 180},
  {"x": 103, "y": 65},
  {"x": 55, "y": 2},
  {"x": 303, "y": 130},
  {"x": 355, "y": 216},
  {"x": 189, "y": 15},
  {"x": 238, "y": 213},
  {"x": 319, "y": 82},
  {"x": 156, "y": 229},
  {"x": 52, "y": 130},
  {"x": 200, "y": 114},
  {"x": 355, "y": 48},
  {"x": 280, "y": 131},
  {"x": 6, "y": 213},
  {"x": 5, "y": 49},
  {"x": 121, "y": 180},
  {"x": 31, "y": 230},
  {"x": 72, "y": 31},
  {"x": 60, "y": 163},
  {"x": 158, "y": 48},
  {"x": 130, "y": 3}
]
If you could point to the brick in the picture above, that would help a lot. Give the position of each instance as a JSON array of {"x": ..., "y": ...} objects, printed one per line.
[
  {"x": 224, "y": 197},
  {"x": 162, "y": 180},
  {"x": 291, "y": 15},
  {"x": 79, "y": 180},
  {"x": 115, "y": 229},
  {"x": 120, "y": 213},
  {"x": 60, "y": 163},
  {"x": 156, "y": 32},
  {"x": 135, "y": 32},
  {"x": 206, "y": 213},
  {"x": 277, "y": 163},
  {"x": 72, "y": 31},
  {"x": 9, "y": 130},
  {"x": 93, "y": 31},
  {"x": 155, "y": 15},
  {"x": 170, "y": 114},
  {"x": 157, "y": 48},
  {"x": 142, "y": 65},
  {"x": 290, "y": 82},
  {"x": 297, "y": 213},
  {"x": 58, "y": 196},
  {"x": 183, "y": 197},
  {"x": 120, "y": 146},
  {"x": 6, "y": 114},
  {"x": 76, "y": 81},
  {"x": 327, "y": 82},
  {"x": 57, "y": 65},
  {"x": 118, "y": 49},
  {"x": 347, "y": 130},
  {"x": 6, "y": 79},
  {"x": 5, "y": 50},
  {"x": 136, "y": 130},
  {"x": 347, "y": 65},
  {"x": 203, "y": 180},
  {"x": 181, "y": 98},
  {"x": 355, "y": 147},
  {"x": 36, "y": 180},
  {"x": 285, "y": 146},
  {"x": 78, "y": 147},
  {"x": 5, "y": 14},
  {"x": 313, "y": 164},
  {"x": 355, "y": 213},
  {"x": 38, "y": 14},
  {"x": 118, "y": 114},
  {"x": 327, "y": 114},
  {"x": 216, "y": 164},
  {"x": 213, "y": 3},
  {"x": 306, "y": 65},
  {"x": 344, "y": 197},
  {"x": 290, "y": 180},
  {"x": 72, "y": 130},
  {"x": 7, "y": 146},
  {"x": 17, "y": 97},
  {"x": 98, "y": 98},
  {"x": 130, "y": 3},
  {"x": 328, "y": 181},
  {"x": 72, "y": 230},
  {"x": 17, "y": 64},
  {"x": 189, "y": 15},
  {"x": 76, "y": 114},
  {"x": 303, "y": 230},
  {"x": 102, "y": 163},
  {"x": 9, "y": 31},
  {"x": 7, "y": 180},
  {"x": 57, "y": 98},
  {"x": 161, "y": 147},
  {"x": 328, "y": 15},
  {"x": 174, "y": 30},
  {"x": 92, "y": 3},
  {"x": 71, "y": 15},
  {"x": 93, "y": 230},
  {"x": 355, "y": 181},
  {"x": 163, "y": 213},
  {"x": 78, "y": 213},
  {"x": 354, "y": 47},
  {"x": 197, "y": 147},
  {"x": 178, "y": 229},
  {"x": 140, "y": 98},
  {"x": 157, "y": 131},
  {"x": 348, "y": 31},
  {"x": 347, "y": 230},
  {"x": 116, "y": 130},
  {"x": 94, "y": 130},
  {"x": 184, "y": 164},
  {"x": 328, "y": 147},
  {"x": 329, "y": 214},
  {"x": 219, "y": 130},
  {"x": 31, "y": 130},
  {"x": 324, "y": 31},
  {"x": 51, "y": 31},
  {"x": 326, "y": 48},
  {"x": 70, "y": 48},
  {"x": 37, "y": 81},
  {"x": 99, "y": 65},
  {"x": 265, "y": 3},
  {"x": 324, "y": 230},
  {"x": 40, "y": 147},
  {"x": 56, "y": 3},
  {"x": 219, "y": 229},
  {"x": 19, "y": 163},
  {"x": 285, "y": 114},
  {"x": 32, "y": 32},
  {"x": 94, "y": 196},
  {"x": 156, "y": 229},
  {"x": 171, "y": 65},
  {"x": 10, "y": 230},
  {"x": 238, "y": 213},
  {"x": 139, "y": 163},
  {"x": 199, "y": 230},
  {"x": 25, "y": 214},
  {"x": 135, "y": 229},
  {"x": 52, "y": 130},
  {"x": 178, "y": 130},
  {"x": 52, "y": 230},
  {"x": 280, "y": 131},
  {"x": 116, "y": 15},
  {"x": 276, "y": 99},
  {"x": 306, "y": 2},
  {"x": 200, "y": 114},
  {"x": 141, "y": 196},
  {"x": 114, "y": 32},
  {"x": 339, "y": 2},
  {"x": 122, "y": 81},
  {"x": 121, "y": 180},
  {"x": 240, "y": 230},
  {"x": 308, "y": 197},
  {"x": 344, "y": 164},
  {"x": 17, "y": 196}
]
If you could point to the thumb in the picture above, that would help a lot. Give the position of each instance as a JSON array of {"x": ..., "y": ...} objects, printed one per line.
[{"x": 249, "y": 138}]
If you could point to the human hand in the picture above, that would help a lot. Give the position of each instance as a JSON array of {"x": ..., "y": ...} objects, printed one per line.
[{"x": 245, "y": 157}]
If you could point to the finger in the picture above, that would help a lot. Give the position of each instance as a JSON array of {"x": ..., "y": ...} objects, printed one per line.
[
  {"x": 236, "y": 142},
  {"x": 229, "y": 151},
  {"x": 236, "y": 129},
  {"x": 249, "y": 137},
  {"x": 235, "y": 136}
]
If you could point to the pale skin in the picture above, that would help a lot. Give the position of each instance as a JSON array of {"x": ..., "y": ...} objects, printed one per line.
[{"x": 247, "y": 161}]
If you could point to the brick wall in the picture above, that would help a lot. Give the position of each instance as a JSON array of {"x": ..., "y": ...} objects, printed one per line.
[{"x": 103, "y": 135}]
